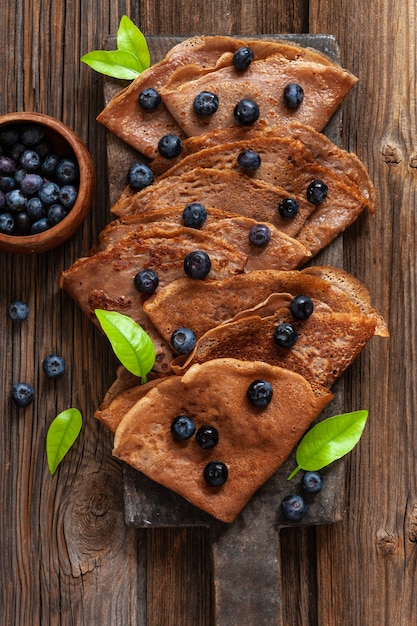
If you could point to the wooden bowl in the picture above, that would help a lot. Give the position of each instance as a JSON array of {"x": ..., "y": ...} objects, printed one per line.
[{"x": 65, "y": 143}]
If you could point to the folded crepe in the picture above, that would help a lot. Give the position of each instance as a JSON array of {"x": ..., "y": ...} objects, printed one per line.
[
  {"x": 253, "y": 442},
  {"x": 263, "y": 82},
  {"x": 142, "y": 130},
  {"x": 281, "y": 252},
  {"x": 203, "y": 305},
  {"x": 106, "y": 279},
  {"x": 326, "y": 346}
]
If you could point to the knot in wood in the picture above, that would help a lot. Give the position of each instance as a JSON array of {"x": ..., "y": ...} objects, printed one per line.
[
  {"x": 391, "y": 154},
  {"x": 386, "y": 542},
  {"x": 413, "y": 160},
  {"x": 99, "y": 503}
]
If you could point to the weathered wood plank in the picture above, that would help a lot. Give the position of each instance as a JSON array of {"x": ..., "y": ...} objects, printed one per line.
[{"x": 377, "y": 535}]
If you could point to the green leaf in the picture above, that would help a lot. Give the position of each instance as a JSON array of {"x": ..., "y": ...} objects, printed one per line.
[
  {"x": 115, "y": 63},
  {"x": 131, "y": 39},
  {"x": 131, "y": 344},
  {"x": 130, "y": 59},
  {"x": 62, "y": 433},
  {"x": 329, "y": 440}
]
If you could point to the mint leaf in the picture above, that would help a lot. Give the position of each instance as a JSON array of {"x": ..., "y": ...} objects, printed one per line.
[
  {"x": 131, "y": 344},
  {"x": 131, "y": 39},
  {"x": 114, "y": 63},
  {"x": 62, "y": 433},
  {"x": 130, "y": 58},
  {"x": 329, "y": 440}
]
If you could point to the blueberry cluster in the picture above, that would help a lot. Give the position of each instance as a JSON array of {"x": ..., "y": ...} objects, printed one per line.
[
  {"x": 294, "y": 507},
  {"x": 286, "y": 335},
  {"x": 183, "y": 427},
  {"x": 37, "y": 186}
]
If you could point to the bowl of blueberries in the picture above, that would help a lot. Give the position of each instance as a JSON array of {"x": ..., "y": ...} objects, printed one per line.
[{"x": 47, "y": 182}]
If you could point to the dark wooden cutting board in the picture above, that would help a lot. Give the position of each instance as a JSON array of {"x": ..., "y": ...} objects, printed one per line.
[{"x": 246, "y": 563}]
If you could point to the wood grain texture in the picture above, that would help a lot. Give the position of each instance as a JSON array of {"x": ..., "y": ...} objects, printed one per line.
[{"x": 66, "y": 557}]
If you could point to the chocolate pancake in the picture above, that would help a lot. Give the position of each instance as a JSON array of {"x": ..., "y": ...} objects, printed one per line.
[
  {"x": 263, "y": 82},
  {"x": 229, "y": 190},
  {"x": 204, "y": 305},
  {"x": 327, "y": 343},
  {"x": 142, "y": 130},
  {"x": 280, "y": 252},
  {"x": 106, "y": 279},
  {"x": 322, "y": 149},
  {"x": 285, "y": 162},
  {"x": 253, "y": 442}
]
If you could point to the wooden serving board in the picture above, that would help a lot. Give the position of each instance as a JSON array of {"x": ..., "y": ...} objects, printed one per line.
[{"x": 245, "y": 554}]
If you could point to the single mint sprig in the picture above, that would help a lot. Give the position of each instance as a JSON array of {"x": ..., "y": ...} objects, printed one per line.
[
  {"x": 130, "y": 58},
  {"x": 328, "y": 441},
  {"x": 131, "y": 344}
]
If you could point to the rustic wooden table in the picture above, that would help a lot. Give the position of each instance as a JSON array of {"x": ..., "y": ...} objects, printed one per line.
[{"x": 66, "y": 554}]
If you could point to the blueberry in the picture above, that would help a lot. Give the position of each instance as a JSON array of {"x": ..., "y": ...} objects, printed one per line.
[
  {"x": 285, "y": 335},
  {"x": 197, "y": 264},
  {"x": 68, "y": 195},
  {"x": 206, "y": 103},
  {"x": 170, "y": 146},
  {"x": 2, "y": 200},
  {"x": 15, "y": 151},
  {"x": 182, "y": 427},
  {"x": 7, "y": 224},
  {"x": 7, "y": 165},
  {"x": 15, "y": 200},
  {"x": 23, "y": 394},
  {"x": 183, "y": 340},
  {"x": 49, "y": 164},
  {"x": 23, "y": 222},
  {"x": 288, "y": 208},
  {"x": 259, "y": 393},
  {"x": 301, "y": 307},
  {"x": 56, "y": 214},
  {"x": 216, "y": 473},
  {"x": 31, "y": 134},
  {"x": 53, "y": 365},
  {"x": 140, "y": 176},
  {"x": 40, "y": 226},
  {"x": 259, "y": 235},
  {"x": 19, "y": 175},
  {"x": 249, "y": 160},
  {"x": 18, "y": 311},
  {"x": 30, "y": 184},
  {"x": 242, "y": 58},
  {"x": 312, "y": 482},
  {"x": 146, "y": 281},
  {"x": 35, "y": 209},
  {"x": 294, "y": 508},
  {"x": 207, "y": 437},
  {"x": 149, "y": 99},
  {"x": 9, "y": 135},
  {"x": 246, "y": 111},
  {"x": 49, "y": 193},
  {"x": 30, "y": 160},
  {"x": 194, "y": 215},
  {"x": 317, "y": 192},
  {"x": 66, "y": 171},
  {"x": 293, "y": 95},
  {"x": 7, "y": 183}
]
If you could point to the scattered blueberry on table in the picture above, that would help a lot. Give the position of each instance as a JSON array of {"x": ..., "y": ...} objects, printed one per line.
[
  {"x": 22, "y": 394},
  {"x": 18, "y": 311},
  {"x": 53, "y": 365}
]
